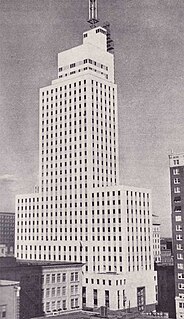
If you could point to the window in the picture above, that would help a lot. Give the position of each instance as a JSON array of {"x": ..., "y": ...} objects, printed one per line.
[
  {"x": 47, "y": 306},
  {"x": 58, "y": 291},
  {"x": 47, "y": 292},
  {"x": 64, "y": 277},
  {"x": 176, "y": 181},
  {"x": 53, "y": 278},
  {"x": 58, "y": 277},
  {"x": 178, "y": 228},
  {"x": 3, "y": 311},
  {"x": 179, "y": 237},
  {"x": 95, "y": 297},
  {"x": 180, "y": 276},
  {"x": 176, "y": 190},
  {"x": 72, "y": 276},
  {"x": 64, "y": 305},
  {"x": 181, "y": 286},
  {"x": 72, "y": 290},
  {"x": 176, "y": 171},
  {"x": 47, "y": 279},
  {"x": 64, "y": 291},
  {"x": 179, "y": 256},
  {"x": 53, "y": 292},
  {"x": 72, "y": 303},
  {"x": 180, "y": 266}
]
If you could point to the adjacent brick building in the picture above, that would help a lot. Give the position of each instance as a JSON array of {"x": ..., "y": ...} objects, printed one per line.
[
  {"x": 177, "y": 204},
  {"x": 46, "y": 287},
  {"x": 7, "y": 231}
]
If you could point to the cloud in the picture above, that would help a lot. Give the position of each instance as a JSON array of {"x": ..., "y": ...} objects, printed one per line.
[{"x": 7, "y": 178}]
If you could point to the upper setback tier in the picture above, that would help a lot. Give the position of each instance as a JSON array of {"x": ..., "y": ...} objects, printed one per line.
[{"x": 92, "y": 55}]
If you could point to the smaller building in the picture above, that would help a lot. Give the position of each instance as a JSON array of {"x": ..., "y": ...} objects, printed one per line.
[
  {"x": 166, "y": 250},
  {"x": 46, "y": 287},
  {"x": 166, "y": 289},
  {"x": 7, "y": 231},
  {"x": 156, "y": 239},
  {"x": 9, "y": 299}
]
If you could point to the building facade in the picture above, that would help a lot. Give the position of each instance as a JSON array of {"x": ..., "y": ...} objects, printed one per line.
[
  {"x": 82, "y": 213},
  {"x": 7, "y": 231},
  {"x": 9, "y": 299},
  {"x": 177, "y": 204},
  {"x": 166, "y": 288},
  {"x": 46, "y": 288},
  {"x": 156, "y": 239}
]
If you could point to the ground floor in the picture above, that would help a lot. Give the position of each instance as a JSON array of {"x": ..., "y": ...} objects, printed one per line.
[{"x": 131, "y": 290}]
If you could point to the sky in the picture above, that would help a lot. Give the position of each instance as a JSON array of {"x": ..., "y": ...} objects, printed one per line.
[{"x": 149, "y": 67}]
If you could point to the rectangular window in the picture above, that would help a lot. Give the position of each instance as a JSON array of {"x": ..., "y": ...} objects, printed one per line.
[
  {"x": 180, "y": 266},
  {"x": 64, "y": 277},
  {"x": 179, "y": 237},
  {"x": 47, "y": 292},
  {"x": 177, "y": 190},
  {"x": 178, "y": 218},
  {"x": 47, "y": 279},
  {"x": 64, "y": 305},
  {"x": 47, "y": 306},
  {"x": 58, "y": 277},
  {"x": 176, "y": 181},
  {"x": 64, "y": 291},
  {"x": 181, "y": 286},
  {"x": 176, "y": 171},
  {"x": 53, "y": 278},
  {"x": 178, "y": 228},
  {"x": 72, "y": 276},
  {"x": 95, "y": 297},
  {"x": 58, "y": 291}
]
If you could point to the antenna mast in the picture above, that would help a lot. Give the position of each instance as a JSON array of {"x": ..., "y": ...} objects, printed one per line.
[{"x": 93, "y": 13}]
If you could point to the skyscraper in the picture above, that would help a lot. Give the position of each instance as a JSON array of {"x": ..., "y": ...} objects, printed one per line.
[
  {"x": 82, "y": 213},
  {"x": 177, "y": 205}
]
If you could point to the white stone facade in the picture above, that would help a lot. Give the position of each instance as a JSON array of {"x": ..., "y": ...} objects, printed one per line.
[{"x": 82, "y": 213}]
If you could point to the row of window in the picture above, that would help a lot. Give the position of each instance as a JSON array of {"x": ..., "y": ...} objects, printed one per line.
[
  {"x": 55, "y": 292},
  {"x": 65, "y": 87},
  {"x": 84, "y": 69},
  {"x": 55, "y": 306}
]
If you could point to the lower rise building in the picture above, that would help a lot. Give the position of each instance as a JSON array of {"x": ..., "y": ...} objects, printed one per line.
[
  {"x": 156, "y": 239},
  {"x": 166, "y": 288},
  {"x": 46, "y": 287},
  {"x": 9, "y": 299}
]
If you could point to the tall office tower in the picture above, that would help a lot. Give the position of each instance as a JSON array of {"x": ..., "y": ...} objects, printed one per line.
[
  {"x": 177, "y": 204},
  {"x": 82, "y": 213}
]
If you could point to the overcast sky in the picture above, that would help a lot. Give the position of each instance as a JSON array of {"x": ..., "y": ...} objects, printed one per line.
[{"x": 149, "y": 65}]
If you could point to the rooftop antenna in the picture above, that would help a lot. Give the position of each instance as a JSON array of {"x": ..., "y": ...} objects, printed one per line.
[{"x": 93, "y": 13}]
